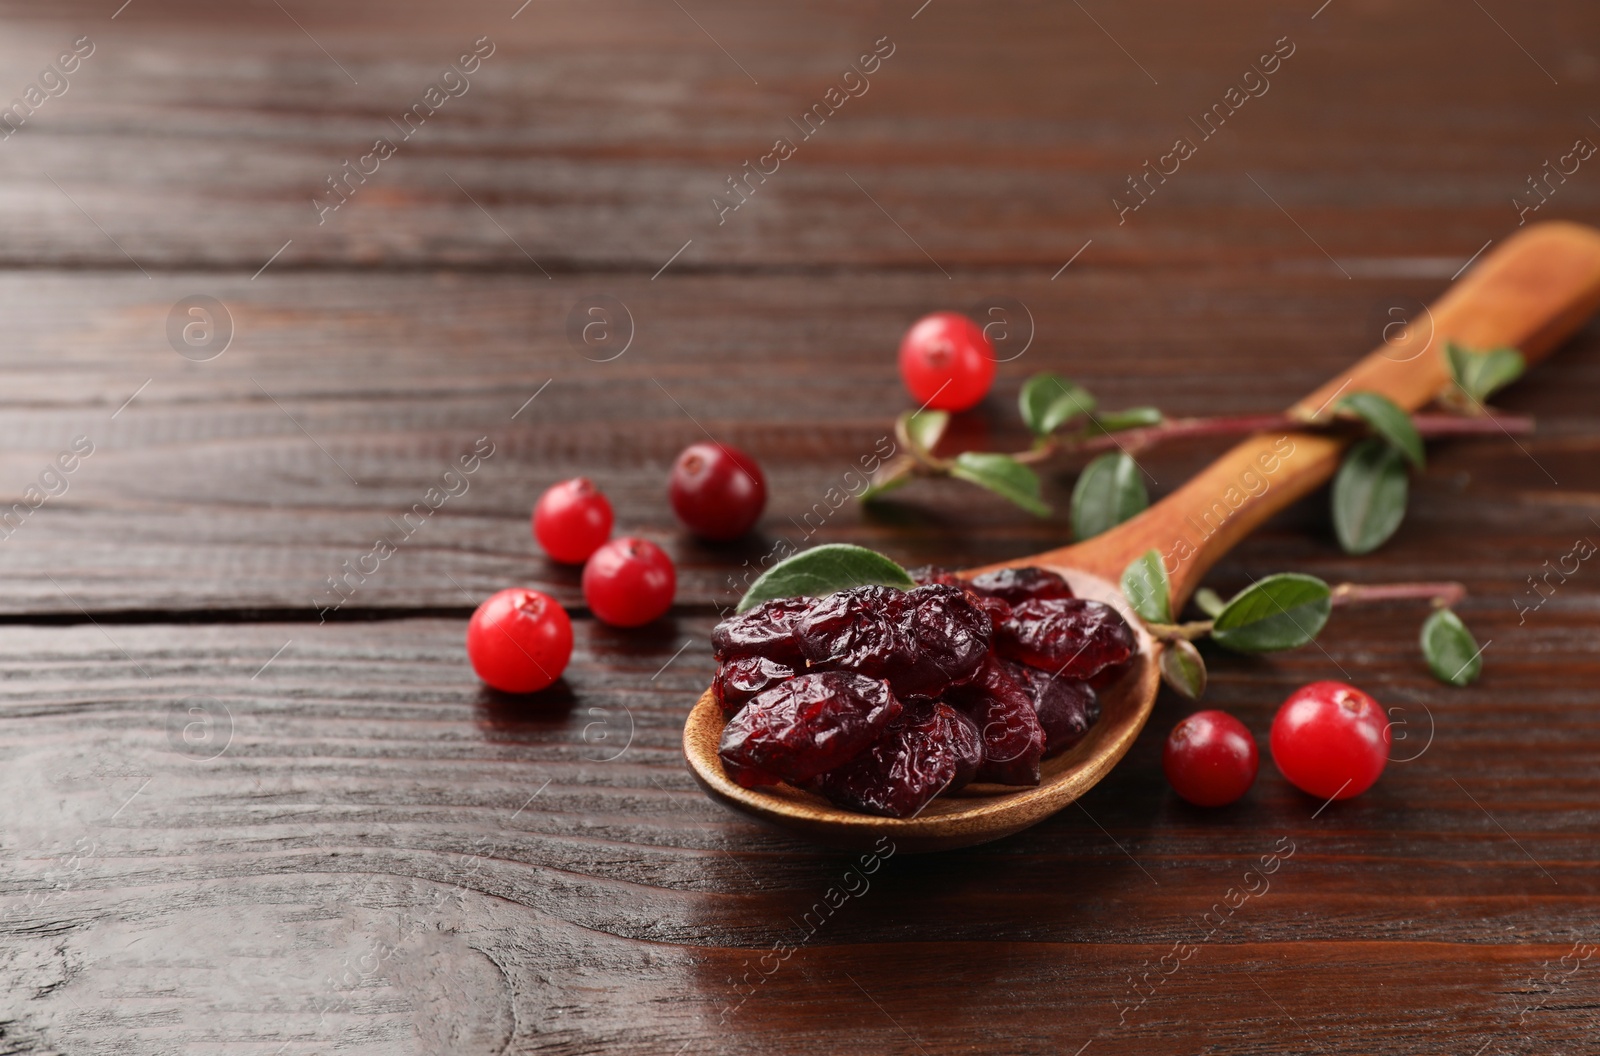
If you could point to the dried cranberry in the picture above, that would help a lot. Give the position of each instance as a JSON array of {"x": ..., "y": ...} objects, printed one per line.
[
  {"x": 952, "y": 638},
  {"x": 1013, "y": 740},
  {"x": 744, "y": 677},
  {"x": 767, "y": 630},
  {"x": 913, "y": 762},
  {"x": 806, "y": 726},
  {"x": 929, "y": 574},
  {"x": 1066, "y": 707},
  {"x": 1017, "y": 585},
  {"x": 997, "y": 609},
  {"x": 967, "y": 741},
  {"x": 863, "y": 629},
  {"x": 1068, "y": 637}
]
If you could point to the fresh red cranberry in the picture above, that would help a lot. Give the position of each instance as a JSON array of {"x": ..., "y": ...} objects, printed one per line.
[
  {"x": 571, "y": 520},
  {"x": 1210, "y": 759},
  {"x": 519, "y": 640},
  {"x": 946, "y": 362},
  {"x": 1330, "y": 740},
  {"x": 717, "y": 491},
  {"x": 629, "y": 582}
]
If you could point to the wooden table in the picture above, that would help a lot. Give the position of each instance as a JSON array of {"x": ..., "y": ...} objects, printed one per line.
[{"x": 240, "y": 819}]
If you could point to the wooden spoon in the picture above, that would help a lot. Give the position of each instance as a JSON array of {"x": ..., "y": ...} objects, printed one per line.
[{"x": 1531, "y": 293}]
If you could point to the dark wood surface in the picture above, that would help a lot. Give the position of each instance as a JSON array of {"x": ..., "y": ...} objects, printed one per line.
[{"x": 232, "y": 825}]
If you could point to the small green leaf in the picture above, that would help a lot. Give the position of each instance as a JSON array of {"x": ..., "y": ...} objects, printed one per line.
[
  {"x": 1004, "y": 476},
  {"x": 823, "y": 570},
  {"x": 1108, "y": 492},
  {"x": 1278, "y": 612},
  {"x": 1451, "y": 651},
  {"x": 1388, "y": 420},
  {"x": 1478, "y": 375},
  {"x": 1145, "y": 585},
  {"x": 924, "y": 428},
  {"x": 1128, "y": 418},
  {"x": 1049, "y": 401},
  {"x": 1369, "y": 496},
  {"x": 1183, "y": 668},
  {"x": 890, "y": 475},
  {"x": 1209, "y": 601}
]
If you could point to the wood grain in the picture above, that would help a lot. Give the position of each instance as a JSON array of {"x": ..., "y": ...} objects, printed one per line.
[{"x": 353, "y": 847}]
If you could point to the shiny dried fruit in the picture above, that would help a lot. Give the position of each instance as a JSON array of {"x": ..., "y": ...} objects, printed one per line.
[
  {"x": 767, "y": 630},
  {"x": 744, "y": 677},
  {"x": 863, "y": 629},
  {"x": 1013, "y": 740},
  {"x": 1017, "y": 585},
  {"x": 1067, "y": 637},
  {"x": 967, "y": 742},
  {"x": 806, "y": 726},
  {"x": 897, "y": 777},
  {"x": 952, "y": 638},
  {"x": 1066, "y": 707}
]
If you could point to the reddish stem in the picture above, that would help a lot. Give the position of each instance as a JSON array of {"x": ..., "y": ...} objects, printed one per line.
[{"x": 1443, "y": 595}]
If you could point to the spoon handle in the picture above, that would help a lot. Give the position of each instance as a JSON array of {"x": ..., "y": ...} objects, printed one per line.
[{"x": 1532, "y": 292}]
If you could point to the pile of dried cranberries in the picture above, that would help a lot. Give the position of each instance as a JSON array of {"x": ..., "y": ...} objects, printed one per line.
[{"x": 880, "y": 699}]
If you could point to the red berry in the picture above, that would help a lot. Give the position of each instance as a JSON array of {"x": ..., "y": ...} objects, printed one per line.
[
  {"x": 571, "y": 520},
  {"x": 1330, "y": 740},
  {"x": 946, "y": 362},
  {"x": 717, "y": 491},
  {"x": 629, "y": 582},
  {"x": 519, "y": 640},
  {"x": 1210, "y": 759}
]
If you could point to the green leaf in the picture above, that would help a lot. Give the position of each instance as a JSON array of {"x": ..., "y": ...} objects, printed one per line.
[
  {"x": 1145, "y": 585},
  {"x": 823, "y": 570},
  {"x": 924, "y": 428},
  {"x": 1183, "y": 668},
  {"x": 1451, "y": 651},
  {"x": 1388, "y": 420},
  {"x": 1209, "y": 601},
  {"x": 1369, "y": 496},
  {"x": 1049, "y": 401},
  {"x": 1004, "y": 476},
  {"x": 1278, "y": 612},
  {"x": 1480, "y": 374},
  {"x": 1108, "y": 492},
  {"x": 1128, "y": 418}
]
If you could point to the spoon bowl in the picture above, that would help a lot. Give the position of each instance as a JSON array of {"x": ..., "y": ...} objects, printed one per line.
[{"x": 1531, "y": 293}]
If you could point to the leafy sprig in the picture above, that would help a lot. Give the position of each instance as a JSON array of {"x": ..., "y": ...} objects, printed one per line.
[
  {"x": 1285, "y": 611},
  {"x": 1370, "y": 490}
]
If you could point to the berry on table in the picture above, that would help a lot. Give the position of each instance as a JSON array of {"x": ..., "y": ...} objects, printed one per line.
[
  {"x": 717, "y": 491},
  {"x": 1210, "y": 759},
  {"x": 519, "y": 640},
  {"x": 1330, "y": 740},
  {"x": 946, "y": 362},
  {"x": 571, "y": 520},
  {"x": 629, "y": 582}
]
